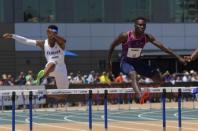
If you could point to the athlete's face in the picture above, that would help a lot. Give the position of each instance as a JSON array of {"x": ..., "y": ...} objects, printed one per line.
[
  {"x": 51, "y": 38},
  {"x": 140, "y": 26},
  {"x": 50, "y": 33}
]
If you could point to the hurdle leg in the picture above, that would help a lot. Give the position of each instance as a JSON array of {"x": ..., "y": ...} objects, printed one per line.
[
  {"x": 164, "y": 109},
  {"x": 34, "y": 106},
  {"x": 119, "y": 100},
  {"x": 194, "y": 97},
  {"x": 2, "y": 104},
  {"x": 87, "y": 102},
  {"x": 30, "y": 110},
  {"x": 66, "y": 104},
  {"x": 97, "y": 100},
  {"x": 150, "y": 102},
  {"x": 105, "y": 110},
  {"x": 24, "y": 105},
  {"x": 129, "y": 101},
  {"x": 13, "y": 110},
  {"x": 90, "y": 110},
  {"x": 179, "y": 110}
]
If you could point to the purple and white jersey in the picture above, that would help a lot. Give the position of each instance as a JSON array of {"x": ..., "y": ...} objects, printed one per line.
[{"x": 132, "y": 49}]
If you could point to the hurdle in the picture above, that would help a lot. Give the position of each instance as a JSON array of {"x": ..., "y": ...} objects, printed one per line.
[
  {"x": 163, "y": 99},
  {"x": 13, "y": 111},
  {"x": 90, "y": 110},
  {"x": 90, "y": 92},
  {"x": 30, "y": 111}
]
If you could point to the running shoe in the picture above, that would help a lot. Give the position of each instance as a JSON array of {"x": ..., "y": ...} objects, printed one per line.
[
  {"x": 39, "y": 77},
  {"x": 144, "y": 97}
]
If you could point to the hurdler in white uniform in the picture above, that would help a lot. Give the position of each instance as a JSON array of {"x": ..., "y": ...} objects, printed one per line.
[
  {"x": 56, "y": 55},
  {"x": 54, "y": 52}
]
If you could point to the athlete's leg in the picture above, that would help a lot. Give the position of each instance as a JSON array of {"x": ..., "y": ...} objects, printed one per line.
[
  {"x": 50, "y": 67},
  {"x": 147, "y": 71},
  {"x": 142, "y": 95},
  {"x": 134, "y": 83},
  {"x": 62, "y": 82},
  {"x": 128, "y": 69}
]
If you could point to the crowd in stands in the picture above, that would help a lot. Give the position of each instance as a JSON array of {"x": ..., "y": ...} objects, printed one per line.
[
  {"x": 28, "y": 78},
  {"x": 104, "y": 77}
]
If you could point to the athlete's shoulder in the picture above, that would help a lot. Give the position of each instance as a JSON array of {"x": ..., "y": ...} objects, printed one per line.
[
  {"x": 122, "y": 38},
  {"x": 123, "y": 34}
]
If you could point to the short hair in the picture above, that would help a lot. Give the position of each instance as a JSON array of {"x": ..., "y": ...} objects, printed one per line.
[
  {"x": 54, "y": 28},
  {"x": 140, "y": 18}
]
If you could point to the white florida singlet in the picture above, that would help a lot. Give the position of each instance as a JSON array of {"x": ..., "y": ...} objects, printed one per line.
[{"x": 56, "y": 55}]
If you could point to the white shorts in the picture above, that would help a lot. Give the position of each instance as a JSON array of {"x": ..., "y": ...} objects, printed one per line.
[{"x": 60, "y": 75}]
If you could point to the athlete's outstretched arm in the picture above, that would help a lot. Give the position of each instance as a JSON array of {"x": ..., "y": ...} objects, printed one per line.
[
  {"x": 194, "y": 55},
  {"x": 122, "y": 38},
  {"x": 24, "y": 40},
  {"x": 163, "y": 48}
]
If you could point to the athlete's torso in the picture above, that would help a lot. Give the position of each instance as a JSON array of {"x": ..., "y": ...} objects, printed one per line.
[
  {"x": 132, "y": 49},
  {"x": 54, "y": 54}
]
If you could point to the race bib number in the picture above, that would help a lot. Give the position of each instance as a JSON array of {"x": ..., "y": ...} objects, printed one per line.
[{"x": 134, "y": 52}]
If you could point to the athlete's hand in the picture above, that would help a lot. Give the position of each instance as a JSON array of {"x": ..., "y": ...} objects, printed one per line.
[
  {"x": 7, "y": 36},
  {"x": 187, "y": 58},
  {"x": 182, "y": 60}
]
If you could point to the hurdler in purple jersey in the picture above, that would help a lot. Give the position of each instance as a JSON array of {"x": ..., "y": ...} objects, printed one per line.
[
  {"x": 133, "y": 43},
  {"x": 133, "y": 47},
  {"x": 131, "y": 53}
]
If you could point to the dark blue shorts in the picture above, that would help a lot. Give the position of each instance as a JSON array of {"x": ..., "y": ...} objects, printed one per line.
[{"x": 138, "y": 66}]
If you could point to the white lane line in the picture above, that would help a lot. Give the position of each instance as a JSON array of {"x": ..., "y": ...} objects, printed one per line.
[
  {"x": 148, "y": 118},
  {"x": 153, "y": 125},
  {"x": 60, "y": 127},
  {"x": 130, "y": 122},
  {"x": 119, "y": 127},
  {"x": 187, "y": 117}
]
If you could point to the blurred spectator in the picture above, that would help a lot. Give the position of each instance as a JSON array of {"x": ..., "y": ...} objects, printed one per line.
[
  {"x": 185, "y": 77},
  {"x": 84, "y": 79},
  {"x": 21, "y": 79},
  {"x": 140, "y": 79},
  {"x": 97, "y": 78},
  {"x": 1, "y": 83},
  {"x": 10, "y": 80},
  {"x": 51, "y": 18},
  {"x": 78, "y": 79},
  {"x": 5, "y": 79},
  {"x": 125, "y": 78},
  {"x": 104, "y": 78},
  {"x": 91, "y": 77},
  {"x": 148, "y": 80},
  {"x": 94, "y": 78},
  {"x": 167, "y": 77},
  {"x": 71, "y": 77},
  {"x": 30, "y": 15},
  {"x": 193, "y": 76},
  {"x": 29, "y": 78},
  {"x": 119, "y": 78},
  {"x": 34, "y": 19},
  {"x": 178, "y": 79}
]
